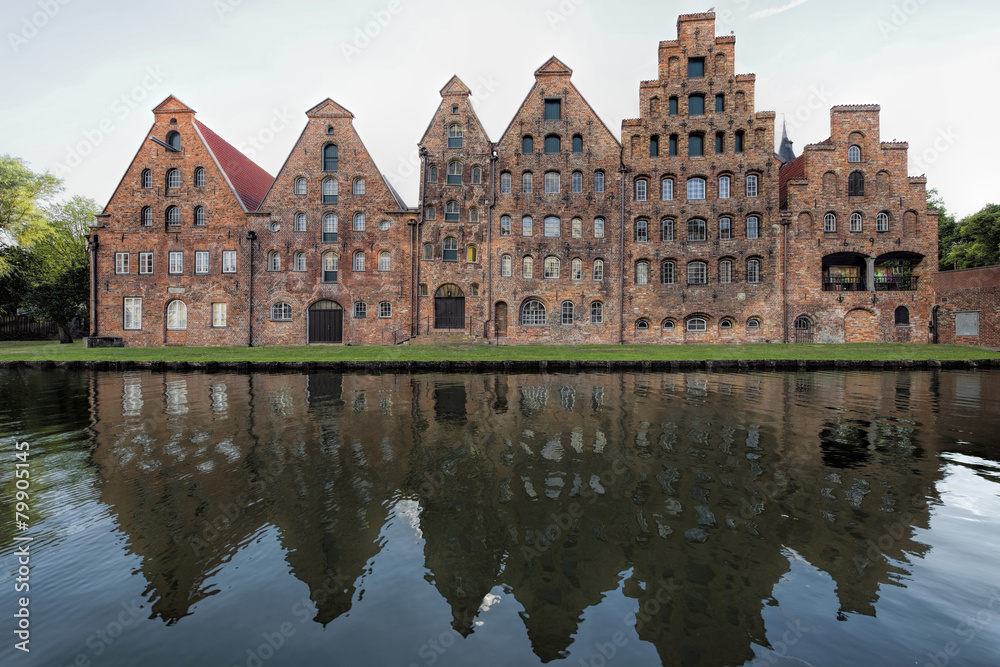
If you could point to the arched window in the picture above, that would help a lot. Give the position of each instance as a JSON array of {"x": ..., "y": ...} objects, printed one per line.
[
  {"x": 697, "y": 324},
  {"x": 902, "y": 316},
  {"x": 300, "y": 186},
  {"x": 667, "y": 230},
  {"x": 454, "y": 173},
  {"x": 672, "y": 106},
  {"x": 551, "y": 267},
  {"x": 640, "y": 189},
  {"x": 577, "y": 143},
  {"x": 552, "y": 228},
  {"x": 669, "y": 325},
  {"x": 642, "y": 325},
  {"x": 526, "y": 226},
  {"x": 553, "y": 144},
  {"x": 428, "y": 251},
  {"x": 300, "y": 222},
  {"x": 598, "y": 181},
  {"x": 177, "y": 318},
  {"x": 725, "y": 228},
  {"x": 504, "y": 225},
  {"x": 174, "y": 140},
  {"x": 697, "y": 230},
  {"x": 882, "y": 222},
  {"x": 668, "y": 272},
  {"x": 474, "y": 214},
  {"x": 598, "y": 228},
  {"x": 331, "y": 265},
  {"x": 726, "y": 324},
  {"x": 384, "y": 309},
  {"x": 455, "y": 135},
  {"x": 854, "y": 154},
  {"x": 505, "y": 266},
  {"x": 430, "y": 213},
  {"x": 654, "y": 145},
  {"x": 359, "y": 222},
  {"x": 697, "y": 273},
  {"x": 451, "y": 212},
  {"x": 566, "y": 313},
  {"x": 527, "y": 182},
  {"x": 857, "y": 222},
  {"x": 830, "y": 222},
  {"x": 527, "y": 267},
  {"x": 696, "y": 144},
  {"x": 753, "y": 227},
  {"x": 725, "y": 271},
  {"x": 384, "y": 261},
  {"x": 527, "y": 145},
  {"x": 329, "y": 228},
  {"x": 696, "y": 188},
  {"x": 576, "y": 269},
  {"x": 672, "y": 145},
  {"x": 641, "y": 230},
  {"x": 146, "y": 217},
  {"x": 738, "y": 141},
  {"x": 199, "y": 177},
  {"x": 432, "y": 174},
  {"x": 299, "y": 263},
  {"x": 174, "y": 178},
  {"x": 533, "y": 313},
  {"x": 598, "y": 269},
  {"x": 330, "y": 157},
  {"x": 146, "y": 180},
  {"x": 199, "y": 216},
  {"x": 476, "y": 176},
  {"x": 803, "y": 323},
  {"x": 642, "y": 273},
  {"x": 273, "y": 261},
  {"x": 696, "y": 105},
  {"x": 471, "y": 254},
  {"x": 450, "y": 252},
  {"x": 551, "y": 182},
  {"x": 505, "y": 183},
  {"x": 752, "y": 185},
  {"x": 597, "y": 312},
  {"x": 330, "y": 191},
  {"x": 724, "y": 182},
  {"x": 667, "y": 189},
  {"x": 753, "y": 323},
  {"x": 360, "y": 309},
  {"x": 856, "y": 184},
  {"x": 359, "y": 186},
  {"x": 577, "y": 183},
  {"x": 359, "y": 260},
  {"x": 173, "y": 216},
  {"x": 753, "y": 271}
]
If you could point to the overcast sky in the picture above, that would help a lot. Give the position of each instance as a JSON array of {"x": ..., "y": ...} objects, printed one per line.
[{"x": 78, "y": 78}]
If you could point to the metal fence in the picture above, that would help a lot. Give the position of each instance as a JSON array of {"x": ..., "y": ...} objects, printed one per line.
[{"x": 22, "y": 327}]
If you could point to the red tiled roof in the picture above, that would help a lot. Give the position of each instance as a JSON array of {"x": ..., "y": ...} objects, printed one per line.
[
  {"x": 249, "y": 181},
  {"x": 794, "y": 169}
]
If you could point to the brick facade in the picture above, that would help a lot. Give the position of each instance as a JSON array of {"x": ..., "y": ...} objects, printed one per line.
[
  {"x": 973, "y": 295},
  {"x": 688, "y": 229}
]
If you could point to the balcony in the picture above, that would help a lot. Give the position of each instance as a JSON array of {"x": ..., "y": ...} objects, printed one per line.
[
  {"x": 896, "y": 284},
  {"x": 837, "y": 284}
]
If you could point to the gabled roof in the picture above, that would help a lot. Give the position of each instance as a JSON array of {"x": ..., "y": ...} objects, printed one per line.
[
  {"x": 248, "y": 181},
  {"x": 172, "y": 105},
  {"x": 554, "y": 67},
  {"x": 329, "y": 109},
  {"x": 794, "y": 169},
  {"x": 455, "y": 86}
]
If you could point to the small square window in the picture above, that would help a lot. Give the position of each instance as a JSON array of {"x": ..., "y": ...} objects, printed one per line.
[{"x": 553, "y": 109}]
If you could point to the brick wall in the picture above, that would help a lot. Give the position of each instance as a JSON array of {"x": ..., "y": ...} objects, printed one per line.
[{"x": 969, "y": 290}]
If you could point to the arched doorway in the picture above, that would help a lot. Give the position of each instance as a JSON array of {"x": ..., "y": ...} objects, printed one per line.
[
  {"x": 501, "y": 319},
  {"x": 804, "y": 329},
  {"x": 449, "y": 307},
  {"x": 860, "y": 326},
  {"x": 326, "y": 322}
]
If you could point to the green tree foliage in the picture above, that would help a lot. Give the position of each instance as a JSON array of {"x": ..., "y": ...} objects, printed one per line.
[
  {"x": 23, "y": 194},
  {"x": 947, "y": 231},
  {"x": 977, "y": 239},
  {"x": 14, "y": 281}
]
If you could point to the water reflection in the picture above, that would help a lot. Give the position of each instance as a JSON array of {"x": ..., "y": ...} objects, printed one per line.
[{"x": 689, "y": 493}]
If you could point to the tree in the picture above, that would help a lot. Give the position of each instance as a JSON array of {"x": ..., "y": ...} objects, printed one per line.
[
  {"x": 14, "y": 282},
  {"x": 947, "y": 230},
  {"x": 978, "y": 239},
  {"x": 23, "y": 194},
  {"x": 58, "y": 286}
]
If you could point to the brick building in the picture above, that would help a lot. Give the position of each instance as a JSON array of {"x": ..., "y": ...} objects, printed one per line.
[
  {"x": 689, "y": 229},
  {"x": 968, "y": 310}
]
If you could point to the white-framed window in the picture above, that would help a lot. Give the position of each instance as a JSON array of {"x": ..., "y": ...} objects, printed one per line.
[
  {"x": 598, "y": 228},
  {"x": 450, "y": 251},
  {"x": 273, "y": 261},
  {"x": 598, "y": 181},
  {"x": 640, "y": 189},
  {"x": 173, "y": 216},
  {"x": 359, "y": 186},
  {"x": 830, "y": 222},
  {"x": 146, "y": 179},
  {"x": 281, "y": 312},
  {"x": 697, "y": 273},
  {"x": 577, "y": 182},
  {"x": 428, "y": 251},
  {"x": 697, "y": 324},
  {"x": 753, "y": 227},
  {"x": 331, "y": 266},
  {"x": 526, "y": 224},
  {"x": 454, "y": 173},
  {"x": 753, "y": 271},
  {"x": 299, "y": 261},
  {"x": 598, "y": 269},
  {"x": 752, "y": 185},
  {"x": 452, "y": 211},
  {"x": 455, "y": 135},
  {"x": 726, "y": 271},
  {"x": 527, "y": 267},
  {"x": 201, "y": 262},
  {"x": 551, "y": 182},
  {"x": 533, "y": 313},
  {"x": 504, "y": 225},
  {"x": 696, "y": 188},
  {"x": 359, "y": 260},
  {"x": 724, "y": 187},
  {"x": 576, "y": 269},
  {"x": 177, "y": 318},
  {"x": 552, "y": 226},
  {"x": 753, "y": 323},
  {"x": 145, "y": 263},
  {"x": 432, "y": 174},
  {"x": 199, "y": 177},
  {"x": 576, "y": 228},
  {"x": 430, "y": 213},
  {"x": 697, "y": 230},
  {"x": 527, "y": 182},
  {"x": 384, "y": 309},
  {"x": 121, "y": 262},
  {"x": 668, "y": 272},
  {"x": 597, "y": 313},
  {"x": 300, "y": 186},
  {"x": 882, "y": 222},
  {"x": 476, "y": 176},
  {"x": 667, "y": 189},
  {"x": 383, "y": 260},
  {"x": 330, "y": 191},
  {"x": 359, "y": 222},
  {"x": 857, "y": 222},
  {"x": 199, "y": 216},
  {"x": 505, "y": 266},
  {"x": 146, "y": 216},
  {"x": 642, "y": 230},
  {"x": 505, "y": 183},
  {"x": 133, "y": 314},
  {"x": 854, "y": 154},
  {"x": 471, "y": 254},
  {"x": 229, "y": 261},
  {"x": 642, "y": 325},
  {"x": 220, "y": 314},
  {"x": 642, "y": 273},
  {"x": 668, "y": 230},
  {"x": 175, "y": 262},
  {"x": 566, "y": 313},
  {"x": 551, "y": 267},
  {"x": 300, "y": 222},
  {"x": 360, "y": 309},
  {"x": 174, "y": 178},
  {"x": 725, "y": 228}
]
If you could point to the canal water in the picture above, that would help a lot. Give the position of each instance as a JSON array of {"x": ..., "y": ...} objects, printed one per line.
[{"x": 823, "y": 518}]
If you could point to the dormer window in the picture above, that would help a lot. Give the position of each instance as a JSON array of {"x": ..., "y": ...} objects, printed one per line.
[{"x": 174, "y": 140}]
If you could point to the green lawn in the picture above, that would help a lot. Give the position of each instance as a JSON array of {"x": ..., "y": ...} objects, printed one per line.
[{"x": 53, "y": 351}]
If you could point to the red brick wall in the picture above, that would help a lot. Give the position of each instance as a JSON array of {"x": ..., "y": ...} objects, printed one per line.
[{"x": 969, "y": 290}]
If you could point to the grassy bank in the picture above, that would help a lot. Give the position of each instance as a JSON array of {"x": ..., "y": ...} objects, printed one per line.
[{"x": 52, "y": 351}]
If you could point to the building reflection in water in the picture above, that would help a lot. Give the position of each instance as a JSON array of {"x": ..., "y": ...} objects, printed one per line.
[{"x": 686, "y": 491}]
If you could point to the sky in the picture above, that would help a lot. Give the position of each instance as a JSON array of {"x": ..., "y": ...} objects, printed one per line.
[{"x": 79, "y": 78}]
